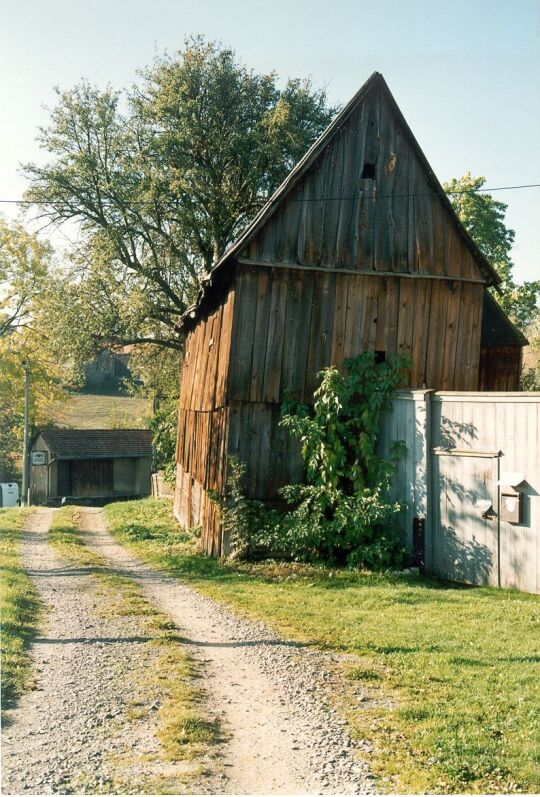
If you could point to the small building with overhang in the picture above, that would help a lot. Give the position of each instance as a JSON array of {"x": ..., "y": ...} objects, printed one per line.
[{"x": 90, "y": 464}]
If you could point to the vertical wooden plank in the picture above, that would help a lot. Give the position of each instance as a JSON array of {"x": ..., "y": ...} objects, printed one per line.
[
  {"x": 346, "y": 235},
  {"x": 451, "y": 349},
  {"x": 435, "y": 335},
  {"x": 367, "y": 198},
  {"x": 276, "y": 333},
  {"x": 225, "y": 348},
  {"x": 243, "y": 334},
  {"x": 368, "y": 324},
  {"x": 384, "y": 249},
  {"x": 340, "y": 316},
  {"x": 440, "y": 218},
  {"x": 392, "y": 315},
  {"x": 421, "y": 339},
  {"x": 406, "y": 316},
  {"x": 401, "y": 201},
  {"x": 291, "y": 332},
  {"x": 320, "y": 334},
  {"x": 380, "y": 326},
  {"x": 261, "y": 334},
  {"x": 332, "y": 185},
  {"x": 353, "y": 317}
]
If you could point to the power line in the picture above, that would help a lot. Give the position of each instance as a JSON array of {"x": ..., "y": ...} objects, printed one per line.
[{"x": 339, "y": 198}]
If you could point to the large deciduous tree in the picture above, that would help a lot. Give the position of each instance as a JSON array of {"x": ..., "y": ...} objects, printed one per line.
[
  {"x": 483, "y": 218},
  {"x": 161, "y": 179}
]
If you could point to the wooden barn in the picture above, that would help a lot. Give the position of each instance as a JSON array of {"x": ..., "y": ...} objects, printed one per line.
[{"x": 358, "y": 249}]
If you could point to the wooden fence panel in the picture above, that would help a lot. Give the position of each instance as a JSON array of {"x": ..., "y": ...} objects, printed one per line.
[{"x": 461, "y": 450}]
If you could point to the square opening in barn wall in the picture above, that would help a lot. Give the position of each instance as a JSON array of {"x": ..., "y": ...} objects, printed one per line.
[{"x": 368, "y": 172}]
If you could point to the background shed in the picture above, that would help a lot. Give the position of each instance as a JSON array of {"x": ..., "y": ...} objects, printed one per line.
[
  {"x": 359, "y": 249},
  {"x": 90, "y": 464}
]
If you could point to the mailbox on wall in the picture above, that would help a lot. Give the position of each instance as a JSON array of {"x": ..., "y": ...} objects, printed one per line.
[
  {"x": 511, "y": 497},
  {"x": 512, "y": 507}
]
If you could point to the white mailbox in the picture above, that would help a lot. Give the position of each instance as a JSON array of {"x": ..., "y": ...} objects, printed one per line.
[{"x": 9, "y": 494}]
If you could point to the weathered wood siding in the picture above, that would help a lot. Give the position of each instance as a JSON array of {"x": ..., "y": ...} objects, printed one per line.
[
  {"x": 289, "y": 324},
  {"x": 203, "y": 423},
  {"x": 335, "y": 218},
  {"x": 500, "y": 368}
]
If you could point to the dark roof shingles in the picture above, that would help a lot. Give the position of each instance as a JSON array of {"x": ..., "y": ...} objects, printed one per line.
[{"x": 96, "y": 443}]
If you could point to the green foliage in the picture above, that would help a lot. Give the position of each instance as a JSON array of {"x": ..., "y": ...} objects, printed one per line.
[
  {"x": 343, "y": 513},
  {"x": 161, "y": 179},
  {"x": 164, "y": 428},
  {"x": 530, "y": 377},
  {"x": 24, "y": 271},
  {"x": 243, "y": 519},
  {"x": 339, "y": 438},
  {"x": 25, "y": 264},
  {"x": 46, "y": 394},
  {"x": 483, "y": 218}
]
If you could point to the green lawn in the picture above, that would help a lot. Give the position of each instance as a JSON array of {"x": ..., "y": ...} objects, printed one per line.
[
  {"x": 19, "y": 607},
  {"x": 454, "y": 673}
]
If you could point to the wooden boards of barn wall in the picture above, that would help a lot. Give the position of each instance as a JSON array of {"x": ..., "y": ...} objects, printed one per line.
[
  {"x": 206, "y": 358},
  {"x": 500, "y": 368},
  {"x": 369, "y": 203},
  {"x": 201, "y": 451},
  {"x": 289, "y": 324},
  {"x": 201, "y": 466}
]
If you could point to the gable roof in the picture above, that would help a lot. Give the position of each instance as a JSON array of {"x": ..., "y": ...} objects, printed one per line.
[
  {"x": 375, "y": 81},
  {"x": 97, "y": 443},
  {"x": 497, "y": 329}
]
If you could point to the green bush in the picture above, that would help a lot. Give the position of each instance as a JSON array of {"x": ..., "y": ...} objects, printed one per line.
[{"x": 343, "y": 514}]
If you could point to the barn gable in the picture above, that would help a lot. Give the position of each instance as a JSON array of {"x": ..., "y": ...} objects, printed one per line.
[
  {"x": 331, "y": 212},
  {"x": 367, "y": 200}
]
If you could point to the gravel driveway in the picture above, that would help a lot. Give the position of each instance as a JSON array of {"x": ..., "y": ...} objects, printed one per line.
[{"x": 271, "y": 697}]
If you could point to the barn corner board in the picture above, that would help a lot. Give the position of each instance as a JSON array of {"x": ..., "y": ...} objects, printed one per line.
[{"x": 358, "y": 249}]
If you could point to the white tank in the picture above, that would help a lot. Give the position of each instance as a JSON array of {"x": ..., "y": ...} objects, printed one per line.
[{"x": 9, "y": 494}]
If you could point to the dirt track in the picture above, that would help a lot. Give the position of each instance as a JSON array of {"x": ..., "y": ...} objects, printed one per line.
[{"x": 269, "y": 696}]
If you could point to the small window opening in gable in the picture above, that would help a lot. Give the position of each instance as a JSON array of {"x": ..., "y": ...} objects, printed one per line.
[
  {"x": 368, "y": 172},
  {"x": 380, "y": 357}
]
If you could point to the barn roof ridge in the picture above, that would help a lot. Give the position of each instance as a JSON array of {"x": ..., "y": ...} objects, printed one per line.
[{"x": 269, "y": 208}]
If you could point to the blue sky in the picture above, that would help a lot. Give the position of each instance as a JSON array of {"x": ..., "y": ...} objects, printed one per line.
[{"x": 465, "y": 74}]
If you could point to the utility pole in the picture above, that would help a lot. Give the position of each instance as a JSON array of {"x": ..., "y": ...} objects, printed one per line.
[{"x": 24, "y": 490}]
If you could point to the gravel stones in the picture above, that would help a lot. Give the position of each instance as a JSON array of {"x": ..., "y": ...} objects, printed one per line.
[
  {"x": 271, "y": 699},
  {"x": 270, "y": 696}
]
